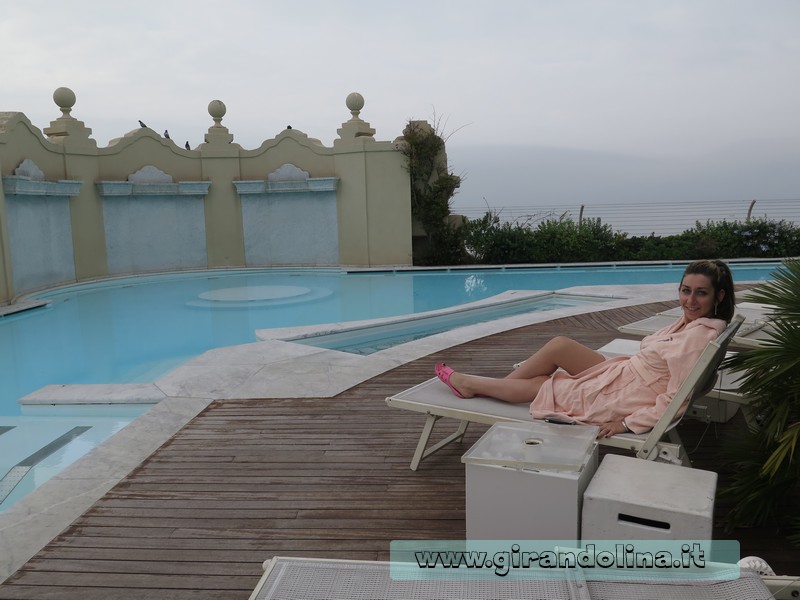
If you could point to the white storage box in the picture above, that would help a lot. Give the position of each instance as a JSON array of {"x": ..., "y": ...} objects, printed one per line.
[
  {"x": 525, "y": 481},
  {"x": 634, "y": 499}
]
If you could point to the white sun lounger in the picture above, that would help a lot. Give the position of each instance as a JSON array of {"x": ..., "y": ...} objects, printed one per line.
[
  {"x": 332, "y": 579},
  {"x": 436, "y": 400},
  {"x": 755, "y": 329}
]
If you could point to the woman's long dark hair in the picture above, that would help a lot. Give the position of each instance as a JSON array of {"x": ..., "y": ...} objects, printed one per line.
[{"x": 721, "y": 279}]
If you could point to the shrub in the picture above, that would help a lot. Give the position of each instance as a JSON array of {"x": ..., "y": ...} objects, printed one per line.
[
  {"x": 552, "y": 240},
  {"x": 753, "y": 238},
  {"x": 491, "y": 242},
  {"x": 672, "y": 247},
  {"x": 563, "y": 240},
  {"x": 432, "y": 188}
]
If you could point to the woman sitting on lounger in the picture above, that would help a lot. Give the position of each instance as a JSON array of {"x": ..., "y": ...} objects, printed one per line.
[{"x": 618, "y": 394}]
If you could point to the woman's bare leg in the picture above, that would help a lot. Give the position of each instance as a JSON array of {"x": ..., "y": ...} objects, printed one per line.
[
  {"x": 522, "y": 384},
  {"x": 560, "y": 352},
  {"x": 509, "y": 390}
]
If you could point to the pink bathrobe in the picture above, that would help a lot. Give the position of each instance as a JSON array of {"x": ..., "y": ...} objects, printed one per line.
[{"x": 636, "y": 388}]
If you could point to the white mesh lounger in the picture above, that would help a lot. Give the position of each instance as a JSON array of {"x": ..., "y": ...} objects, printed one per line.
[
  {"x": 435, "y": 399},
  {"x": 752, "y": 334},
  {"x": 318, "y": 579}
]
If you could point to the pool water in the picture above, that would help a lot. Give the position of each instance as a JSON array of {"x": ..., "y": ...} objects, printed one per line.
[
  {"x": 374, "y": 338},
  {"x": 133, "y": 330},
  {"x": 136, "y": 329}
]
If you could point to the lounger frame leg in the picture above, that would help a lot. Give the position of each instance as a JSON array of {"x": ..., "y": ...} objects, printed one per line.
[
  {"x": 423, "y": 452},
  {"x": 681, "y": 457}
]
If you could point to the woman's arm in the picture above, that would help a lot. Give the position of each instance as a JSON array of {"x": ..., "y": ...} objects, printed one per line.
[{"x": 680, "y": 355}]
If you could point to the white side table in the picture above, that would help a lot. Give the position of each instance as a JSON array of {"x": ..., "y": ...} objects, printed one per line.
[{"x": 525, "y": 481}]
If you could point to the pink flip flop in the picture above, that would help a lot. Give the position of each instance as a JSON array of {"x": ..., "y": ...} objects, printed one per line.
[{"x": 444, "y": 372}]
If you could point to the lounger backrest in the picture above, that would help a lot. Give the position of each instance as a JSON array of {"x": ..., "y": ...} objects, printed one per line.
[
  {"x": 716, "y": 353},
  {"x": 708, "y": 378},
  {"x": 699, "y": 381}
]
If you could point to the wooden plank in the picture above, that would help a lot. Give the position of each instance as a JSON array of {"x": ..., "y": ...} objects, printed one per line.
[
  {"x": 326, "y": 477},
  {"x": 38, "y": 592}
]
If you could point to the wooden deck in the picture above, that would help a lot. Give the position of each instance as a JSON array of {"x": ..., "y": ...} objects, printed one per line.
[{"x": 246, "y": 480}]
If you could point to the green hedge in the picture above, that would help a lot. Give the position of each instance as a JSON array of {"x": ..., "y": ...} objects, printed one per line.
[{"x": 489, "y": 241}]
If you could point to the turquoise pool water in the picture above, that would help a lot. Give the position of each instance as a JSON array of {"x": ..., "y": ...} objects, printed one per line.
[
  {"x": 371, "y": 339},
  {"x": 136, "y": 329}
]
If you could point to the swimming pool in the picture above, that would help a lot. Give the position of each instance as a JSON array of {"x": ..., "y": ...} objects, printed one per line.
[{"x": 135, "y": 329}]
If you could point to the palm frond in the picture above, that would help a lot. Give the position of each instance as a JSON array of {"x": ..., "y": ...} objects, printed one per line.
[
  {"x": 766, "y": 460},
  {"x": 782, "y": 292},
  {"x": 785, "y": 451}
]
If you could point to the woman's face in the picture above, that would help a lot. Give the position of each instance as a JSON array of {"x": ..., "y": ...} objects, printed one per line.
[{"x": 697, "y": 296}]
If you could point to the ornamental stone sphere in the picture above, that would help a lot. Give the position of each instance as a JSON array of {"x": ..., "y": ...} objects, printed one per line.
[
  {"x": 355, "y": 102},
  {"x": 64, "y": 97},
  {"x": 217, "y": 110}
]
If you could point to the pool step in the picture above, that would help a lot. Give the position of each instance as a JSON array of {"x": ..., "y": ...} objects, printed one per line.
[
  {"x": 11, "y": 479},
  {"x": 7, "y": 310},
  {"x": 94, "y": 393}
]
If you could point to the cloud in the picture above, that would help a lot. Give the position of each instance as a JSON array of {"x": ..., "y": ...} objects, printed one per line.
[
  {"x": 657, "y": 79},
  {"x": 536, "y": 176}
]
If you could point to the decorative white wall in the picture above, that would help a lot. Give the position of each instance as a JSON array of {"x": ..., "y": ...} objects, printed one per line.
[
  {"x": 39, "y": 229},
  {"x": 290, "y": 219},
  {"x": 153, "y": 224},
  {"x": 70, "y": 211}
]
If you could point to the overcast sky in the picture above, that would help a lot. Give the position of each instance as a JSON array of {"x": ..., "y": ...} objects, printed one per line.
[{"x": 656, "y": 87}]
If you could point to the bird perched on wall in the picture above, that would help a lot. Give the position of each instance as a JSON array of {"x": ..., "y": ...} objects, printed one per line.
[
  {"x": 141, "y": 124},
  {"x": 186, "y": 145},
  {"x": 166, "y": 134}
]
